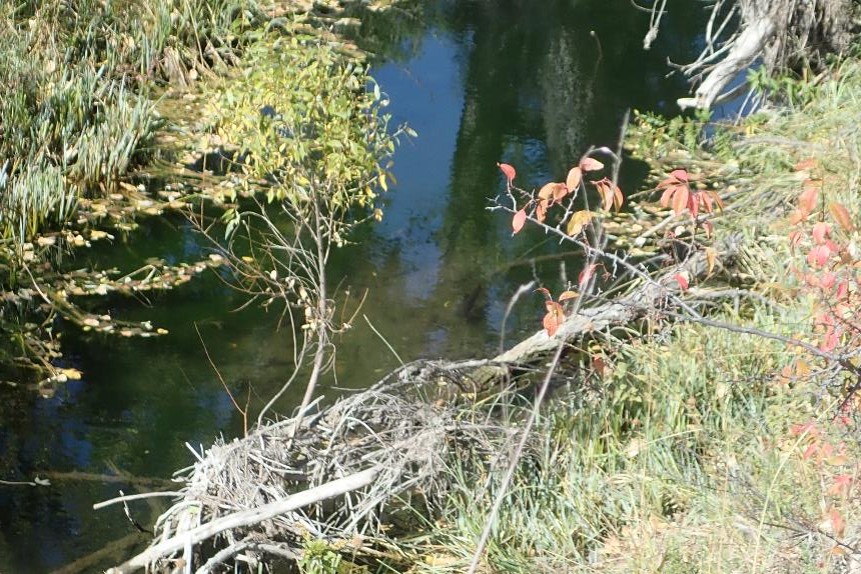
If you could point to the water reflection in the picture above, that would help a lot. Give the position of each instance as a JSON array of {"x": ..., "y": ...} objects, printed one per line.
[{"x": 481, "y": 81}]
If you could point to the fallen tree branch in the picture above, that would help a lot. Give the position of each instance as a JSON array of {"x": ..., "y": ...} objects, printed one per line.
[
  {"x": 248, "y": 517},
  {"x": 745, "y": 49}
]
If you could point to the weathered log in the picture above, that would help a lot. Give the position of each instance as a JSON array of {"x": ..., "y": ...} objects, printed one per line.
[
  {"x": 648, "y": 298},
  {"x": 746, "y": 48}
]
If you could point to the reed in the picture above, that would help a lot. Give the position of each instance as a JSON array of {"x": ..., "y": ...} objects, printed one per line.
[{"x": 76, "y": 104}]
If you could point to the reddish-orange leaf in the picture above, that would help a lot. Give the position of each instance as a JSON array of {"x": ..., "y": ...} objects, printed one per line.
[
  {"x": 541, "y": 210},
  {"x": 841, "y": 484},
  {"x": 606, "y": 193},
  {"x": 508, "y": 170},
  {"x": 544, "y": 291},
  {"x": 590, "y": 164},
  {"x": 680, "y": 198},
  {"x": 838, "y": 524},
  {"x": 551, "y": 325},
  {"x": 555, "y": 316},
  {"x": 599, "y": 365},
  {"x": 519, "y": 220},
  {"x": 575, "y": 176},
  {"x": 546, "y": 191},
  {"x": 682, "y": 280},
  {"x": 559, "y": 192},
  {"x": 829, "y": 341},
  {"x": 716, "y": 196},
  {"x": 807, "y": 199},
  {"x": 618, "y": 198},
  {"x": 797, "y": 217},
  {"x": 795, "y": 238},
  {"x": 805, "y": 164},
  {"x": 841, "y": 215},
  {"x": 706, "y": 198}
]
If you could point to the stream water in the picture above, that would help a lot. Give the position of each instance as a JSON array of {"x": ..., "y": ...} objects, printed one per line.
[{"x": 481, "y": 81}]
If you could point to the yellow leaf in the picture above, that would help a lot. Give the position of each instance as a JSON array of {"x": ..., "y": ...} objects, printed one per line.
[
  {"x": 578, "y": 221},
  {"x": 711, "y": 257},
  {"x": 72, "y": 374},
  {"x": 566, "y": 295}
]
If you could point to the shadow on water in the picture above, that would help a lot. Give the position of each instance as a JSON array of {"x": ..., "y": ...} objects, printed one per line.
[{"x": 481, "y": 82}]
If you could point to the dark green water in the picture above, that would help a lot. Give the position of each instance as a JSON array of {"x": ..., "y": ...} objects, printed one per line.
[{"x": 481, "y": 81}]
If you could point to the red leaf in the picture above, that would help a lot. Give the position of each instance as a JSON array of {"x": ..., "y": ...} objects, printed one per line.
[
  {"x": 575, "y": 176},
  {"x": 509, "y": 171},
  {"x": 829, "y": 341},
  {"x": 599, "y": 365},
  {"x": 841, "y": 484},
  {"x": 842, "y": 290},
  {"x": 680, "y": 175},
  {"x": 827, "y": 280},
  {"x": 821, "y": 231},
  {"x": 590, "y": 164},
  {"x": 667, "y": 196},
  {"x": 818, "y": 256},
  {"x": 586, "y": 274},
  {"x": 694, "y": 204},
  {"x": 807, "y": 199},
  {"x": 519, "y": 220},
  {"x": 682, "y": 280}
]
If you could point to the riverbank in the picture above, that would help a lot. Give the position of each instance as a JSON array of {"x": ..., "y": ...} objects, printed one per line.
[
  {"x": 697, "y": 448},
  {"x": 717, "y": 434}
]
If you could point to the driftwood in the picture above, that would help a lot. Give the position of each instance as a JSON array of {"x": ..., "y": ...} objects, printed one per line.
[
  {"x": 248, "y": 517},
  {"x": 366, "y": 453}
]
